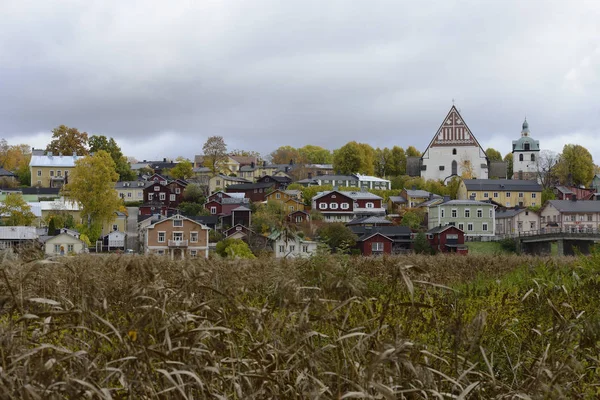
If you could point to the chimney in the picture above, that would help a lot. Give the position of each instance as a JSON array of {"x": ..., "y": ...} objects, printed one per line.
[
  {"x": 430, "y": 196},
  {"x": 165, "y": 159}
]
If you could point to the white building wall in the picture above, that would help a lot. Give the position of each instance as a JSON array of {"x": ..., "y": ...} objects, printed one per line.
[
  {"x": 527, "y": 166},
  {"x": 437, "y": 156}
]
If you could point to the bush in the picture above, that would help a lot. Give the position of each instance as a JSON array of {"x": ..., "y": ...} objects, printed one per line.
[{"x": 509, "y": 245}]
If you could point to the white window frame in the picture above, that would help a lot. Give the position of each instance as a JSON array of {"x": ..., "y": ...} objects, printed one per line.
[
  {"x": 177, "y": 223},
  {"x": 194, "y": 237},
  {"x": 162, "y": 196},
  {"x": 323, "y": 206},
  {"x": 484, "y": 227},
  {"x": 377, "y": 246},
  {"x": 178, "y": 236},
  {"x": 213, "y": 209},
  {"x": 344, "y": 206},
  {"x": 164, "y": 236},
  {"x": 70, "y": 248},
  {"x": 470, "y": 227},
  {"x": 150, "y": 196},
  {"x": 157, "y": 188},
  {"x": 479, "y": 213},
  {"x": 454, "y": 213},
  {"x": 370, "y": 205},
  {"x": 461, "y": 226},
  {"x": 533, "y": 195},
  {"x": 172, "y": 197},
  {"x": 333, "y": 206},
  {"x": 467, "y": 213}
]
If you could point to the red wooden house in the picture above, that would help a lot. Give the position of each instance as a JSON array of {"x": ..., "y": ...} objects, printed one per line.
[
  {"x": 447, "y": 239},
  {"x": 337, "y": 206},
  {"x": 299, "y": 217},
  {"x": 280, "y": 182},
  {"x": 374, "y": 243},
  {"x": 254, "y": 191}
]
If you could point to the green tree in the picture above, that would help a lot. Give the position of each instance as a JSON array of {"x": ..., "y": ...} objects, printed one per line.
[
  {"x": 193, "y": 193},
  {"x": 215, "y": 153},
  {"x": 576, "y": 166},
  {"x": 548, "y": 194},
  {"x": 315, "y": 155},
  {"x": 383, "y": 162},
  {"x": 92, "y": 185},
  {"x": 347, "y": 159},
  {"x": 508, "y": 159},
  {"x": 24, "y": 174},
  {"x": 16, "y": 211},
  {"x": 285, "y": 154},
  {"x": 192, "y": 209},
  {"x": 413, "y": 219},
  {"x": 234, "y": 248},
  {"x": 411, "y": 151},
  {"x": 421, "y": 244},
  {"x": 493, "y": 154},
  {"x": 52, "y": 227},
  {"x": 337, "y": 236},
  {"x": 183, "y": 170},
  {"x": 269, "y": 216},
  {"x": 68, "y": 141},
  {"x": 122, "y": 166},
  {"x": 397, "y": 162}
]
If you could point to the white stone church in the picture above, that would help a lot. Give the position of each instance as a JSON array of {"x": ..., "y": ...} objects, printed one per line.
[
  {"x": 525, "y": 155},
  {"x": 454, "y": 151}
]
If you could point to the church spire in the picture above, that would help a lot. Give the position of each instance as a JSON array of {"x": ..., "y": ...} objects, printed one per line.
[{"x": 525, "y": 130}]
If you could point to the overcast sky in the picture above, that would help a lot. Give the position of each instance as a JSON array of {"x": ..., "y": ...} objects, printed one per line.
[{"x": 162, "y": 76}]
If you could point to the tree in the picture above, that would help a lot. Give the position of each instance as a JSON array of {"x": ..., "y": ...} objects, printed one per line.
[
  {"x": 412, "y": 219},
  {"x": 347, "y": 159},
  {"x": 411, "y": 151},
  {"x": 548, "y": 194},
  {"x": 193, "y": 193},
  {"x": 493, "y": 154},
  {"x": 215, "y": 153},
  {"x": 183, "y": 170},
  {"x": 337, "y": 236},
  {"x": 508, "y": 159},
  {"x": 122, "y": 165},
  {"x": 14, "y": 157},
  {"x": 192, "y": 209},
  {"x": 421, "y": 244},
  {"x": 397, "y": 162},
  {"x": 68, "y": 141},
  {"x": 575, "y": 166},
  {"x": 245, "y": 153},
  {"x": 315, "y": 155},
  {"x": 466, "y": 170},
  {"x": 92, "y": 185},
  {"x": 546, "y": 163},
  {"x": 234, "y": 248},
  {"x": 383, "y": 162},
  {"x": 285, "y": 154},
  {"x": 269, "y": 216},
  {"x": 16, "y": 211}
]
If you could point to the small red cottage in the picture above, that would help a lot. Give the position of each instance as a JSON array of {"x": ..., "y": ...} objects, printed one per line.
[
  {"x": 374, "y": 243},
  {"x": 447, "y": 239}
]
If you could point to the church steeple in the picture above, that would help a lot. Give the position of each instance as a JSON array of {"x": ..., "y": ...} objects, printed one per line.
[{"x": 525, "y": 130}]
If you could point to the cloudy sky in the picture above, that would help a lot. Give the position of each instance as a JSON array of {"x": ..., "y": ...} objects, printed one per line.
[{"x": 162, "y": 76}]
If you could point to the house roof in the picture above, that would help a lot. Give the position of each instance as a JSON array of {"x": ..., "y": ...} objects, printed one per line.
[
  {"x": 368, "y": 235},
  {"x": 4, "y": 172},
  {"x": 174, "y": 217},
  {"x": 335, "y": 177},
  {"x": 18, "y": 233},
  {"x": 390, "y": 231},
  {"x": 50, "y": 160},
  {"x": 233, "y": 200},
  {"x": 355, "y": 195},
  {"x": 417, "y": 193},
  {"x": 509, "y": 212},
  {"x": 369, "y": 220},
  {"x": 575, "y": 206},
  {"x": 502, "y": 185},
  {"x": 240, "y": 208},
  {"x": 292, "y": 192},
  {"x": 245, "y": 160},
  {"x": 369, "y": 178},
  {"x": 464, "y": 203},
  {"x": 519, "y": 145},
  {"x": 440, "y": 229},
  {"x": 250, "y": 186},
  {"x": 397, "y": 199},
  {"x": 133, "y": 184},
  {"x": 278, "y": 179},
  {"x": 564, "y": 190}
]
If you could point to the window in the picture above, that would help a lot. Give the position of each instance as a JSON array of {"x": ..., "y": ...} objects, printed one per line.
[
  {"x": 520, "y": 195},
  {"x": 454, "y": 213},
  {"x": 532, "y": 225},
  {"x": 51, "y": 173},
  {"x": 213, "y": 210},
  {"x": 129, "y": 194},
  {"x": 177, "y": 190},
  {"x": 479, "y": 213},
  {"x": 298, "y": 218},
  {"x": 39, "y": 172},
  {"x": 345, "y": 206},
  {"x": 178, "y": 236},
  {"x": 533, "y": 203},
  {"x": 370, "y": 205},
  {"x": 486, "y": 195},
  {"x": 443, "y": 213},
  {"x": 115, "y": 227},
  {"x": 57, "y": 248},
  {"x": 442, "y": 167},
  {"x": 589, "y": 217},
  {"x": 162, "y": 196},
  {"x": 333, "y": 196},
  {"x": 172, "y": 197},
  {"x": 520, "y": 225},
  {"x": 377, "y": 246},
  {"x": 58, "y": 172},
  {"x": 520, "y": 157},
  {"x": 292, "y": 248},
  {"x": 484, "y": 227},
  {"x": 533, "y": 195},
  {"x": 305, "y": 249},
  {"x": 282, "y": 248},
  {"x": 467, "y": 213},
  {"x": 194, "y": 237},
  {"x": 277, "y": 195},
  {"x": 491, "y": 213},
  {"x": 160, "y": 252},
  {"x": 527, "y": 147},
  {"x": 238, "y": 228},
  {"x": 291, "y": 208},
  {"x": 193, "y": 253},
  {"x": 178, "y": 223},
  {"x": 218, "y": 182},
  {"x": 495, "y": 195},
  {"x": 461, "y": 226},
  {"x": 453, "y": 152},
  {"x": 333, "y": 206},
  {"x": 70, "y": 248},
  {"x": 469, "y": 226},
  {"x": 507, "y": 194},
  {"x": 260, "y": 190},
  {"x": 140, "y": 194},
  {"x": 454, "y": 167},
  {"x": 533, "y": 157},
  {"x": 161, "y": 237},
  {"x": 150, "y": 196},
  {"x": 322, "y": 206},
  {"x": 156, "y": 188}
]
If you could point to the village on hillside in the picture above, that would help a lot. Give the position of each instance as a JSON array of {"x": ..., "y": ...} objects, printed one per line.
[{"x": 81, "y": 195}]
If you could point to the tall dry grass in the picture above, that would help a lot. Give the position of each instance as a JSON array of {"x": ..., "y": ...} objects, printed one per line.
[{"x": 328, "y": 327}]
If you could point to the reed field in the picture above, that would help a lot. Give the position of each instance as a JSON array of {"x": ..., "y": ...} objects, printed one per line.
[{"x": 330, "y": 327}]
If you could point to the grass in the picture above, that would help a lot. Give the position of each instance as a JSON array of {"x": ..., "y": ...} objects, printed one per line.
[{"x": 412, "y": 327}]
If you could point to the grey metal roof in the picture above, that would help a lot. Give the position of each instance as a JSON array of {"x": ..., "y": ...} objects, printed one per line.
[
  {"x": 464, "y": 203},
  {"x": 4, "y": 172},
  {"x": 564, "y": 190},
  {"x": 509, "y": 212},
  {"x": 391, "y": 231},
  {"x": 439, "y": 229},
  {"x": 417, "y": 193},
  {"x": 370, "y": 220},
  {"x": 397, "y": 199},
  {"x": 502, "y": 185},
  {"x": 50, "y": 160},
  {"x": 250, "y": 186},
  {"x": 519, "y": 145},
  {"x": 336, "y": 177},
  {"x": 133, "y": 184},
  {"x": 583, "y": 206}
]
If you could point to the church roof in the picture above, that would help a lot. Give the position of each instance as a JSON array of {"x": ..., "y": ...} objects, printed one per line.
[
  {"x": 519, "y": 145},
  {"x": 453, "y": 132}
]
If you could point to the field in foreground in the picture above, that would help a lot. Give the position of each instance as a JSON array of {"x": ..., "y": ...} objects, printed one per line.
[{"x": 330, "y": 327}]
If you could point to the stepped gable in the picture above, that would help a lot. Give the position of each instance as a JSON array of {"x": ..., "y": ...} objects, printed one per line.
[{"x": 454, "y": 132}]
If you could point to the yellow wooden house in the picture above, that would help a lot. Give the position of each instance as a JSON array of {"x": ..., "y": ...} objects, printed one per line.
[
  {"x": 50, "y": 170},
  {"x": 505, "y": 192}
]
